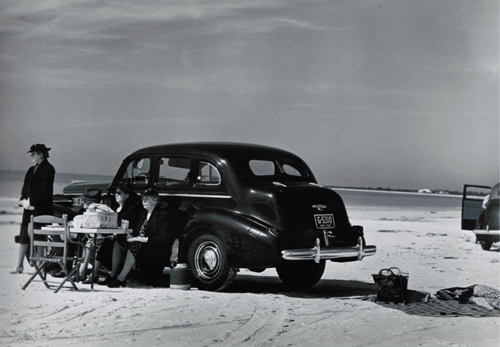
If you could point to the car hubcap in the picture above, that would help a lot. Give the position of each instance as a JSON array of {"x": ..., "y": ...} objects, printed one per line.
[{"x": 208, "y": 259}]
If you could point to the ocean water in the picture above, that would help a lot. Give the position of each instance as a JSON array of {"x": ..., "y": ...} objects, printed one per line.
[
  {"x": 11, "y": 183},
  {"x": 367, "y": 199}
]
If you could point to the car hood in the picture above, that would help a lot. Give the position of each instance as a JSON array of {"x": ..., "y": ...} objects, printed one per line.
[{"x": 77, "y": 188}]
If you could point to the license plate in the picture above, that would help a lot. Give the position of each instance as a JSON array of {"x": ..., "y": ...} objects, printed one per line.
[{"x": 324, "y": 221}]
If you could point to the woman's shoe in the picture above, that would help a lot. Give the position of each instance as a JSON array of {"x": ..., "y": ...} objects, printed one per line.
[
  {"x": 106, "y": 281},
  {"x": 117, "y": 283},
  {"x": 18, "y": 270},
  {"x": 58, "y": 274},
  {"x": 88, "y": 280},
  {"x": 77, "y": 278}
]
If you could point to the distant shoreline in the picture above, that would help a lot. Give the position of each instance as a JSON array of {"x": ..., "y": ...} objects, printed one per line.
[
  {"x": 61, "y": 177},
  {"x": 449, "y": 195},
  {"x": 67, "y": 178}
]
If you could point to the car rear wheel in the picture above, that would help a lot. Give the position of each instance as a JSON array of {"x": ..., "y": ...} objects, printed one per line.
[
  {"x": 207, "y": 260},
  {"x": 301, "y": 275}
]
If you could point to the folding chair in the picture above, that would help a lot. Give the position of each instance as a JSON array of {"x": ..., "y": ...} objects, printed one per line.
[{"x": 54, "y": 239}]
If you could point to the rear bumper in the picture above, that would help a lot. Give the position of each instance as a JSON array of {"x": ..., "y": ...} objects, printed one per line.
[
  {"x": 485, "y": 235},
  {"x": 337, "y": 253},
  {"x": 485, "y": 232}
]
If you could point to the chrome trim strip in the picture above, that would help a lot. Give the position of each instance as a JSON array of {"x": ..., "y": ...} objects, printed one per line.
[
  {"x": 174, "y": 194},
  {"x": 171, "y": 194},
  {"x": 197, "y": 195},
  {"x": 279, "y": 184},
  {"x": 210, "y": 196}
]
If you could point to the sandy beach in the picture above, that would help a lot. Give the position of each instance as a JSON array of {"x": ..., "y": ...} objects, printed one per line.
[{"x": 258, "y": 310}]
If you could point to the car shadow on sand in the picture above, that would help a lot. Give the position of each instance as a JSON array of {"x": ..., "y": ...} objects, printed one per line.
[
  {"x": 324, "y": 289},
  {"x": 261, "y": 284}
]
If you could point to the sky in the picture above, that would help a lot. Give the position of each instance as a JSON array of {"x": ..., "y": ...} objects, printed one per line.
[{"x": 379, "y": 93}]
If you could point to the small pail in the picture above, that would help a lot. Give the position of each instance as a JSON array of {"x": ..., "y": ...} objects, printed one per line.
[{"x": 180, "y": 277}]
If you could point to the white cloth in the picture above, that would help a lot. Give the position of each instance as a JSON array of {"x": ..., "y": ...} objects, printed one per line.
[{"x": 99, "y": 208}]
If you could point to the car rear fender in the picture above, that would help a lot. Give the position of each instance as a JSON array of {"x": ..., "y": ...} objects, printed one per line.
[{"x": 247, "y": 242}]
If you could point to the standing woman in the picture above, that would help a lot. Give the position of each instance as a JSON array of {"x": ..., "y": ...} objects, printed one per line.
[{"x": 36, "y": 196}]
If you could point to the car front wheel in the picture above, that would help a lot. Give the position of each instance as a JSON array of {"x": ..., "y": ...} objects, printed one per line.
[
  {"x": 207, "y": 260},
  {"x": 301, "y": 275}
]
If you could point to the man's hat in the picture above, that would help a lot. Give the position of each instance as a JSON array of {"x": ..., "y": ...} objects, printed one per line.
[
  {"x": 93, "y": 194},
  {"x": 38, "y": 148}
]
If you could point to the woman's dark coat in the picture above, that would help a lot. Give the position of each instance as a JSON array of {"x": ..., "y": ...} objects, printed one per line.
[
  {"x": 163, "y": 227},
  {"x": 131, "y": 211},
  {"x": 38, "y": 187}
]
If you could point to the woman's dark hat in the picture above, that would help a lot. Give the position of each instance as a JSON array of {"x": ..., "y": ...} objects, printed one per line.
[
  {"x": 92, "y": 194},
  {"x": 123, "y": 186},
  {"x": 39, "y": 148},
  {"x": 150, "y": 192}
]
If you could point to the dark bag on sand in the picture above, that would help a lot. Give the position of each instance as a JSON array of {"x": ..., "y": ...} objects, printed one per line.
[
  {"x": 461, "y": 294},
  {"x": 392, "y": 285}
]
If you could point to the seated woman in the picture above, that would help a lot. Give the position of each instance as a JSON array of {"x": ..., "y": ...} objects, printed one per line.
[
  {"x": 129, "y": 208},
  {"x": 151, "y": 244}
]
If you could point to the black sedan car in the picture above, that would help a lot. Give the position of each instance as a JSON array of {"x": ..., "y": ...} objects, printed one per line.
[{"x": 248, "y": 206}]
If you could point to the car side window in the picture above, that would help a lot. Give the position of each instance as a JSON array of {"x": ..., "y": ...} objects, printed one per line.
[
  {"x": 174, "y": 171},
  {"x": 208, "y": 174},
  {"x": 291, "y": 171},
  {"x": 138, "y": 171},
  {"x": 262, "y": 167}
]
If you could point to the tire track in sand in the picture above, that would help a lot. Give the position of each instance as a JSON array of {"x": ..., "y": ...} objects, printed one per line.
[{"x": 263, "y": 324}]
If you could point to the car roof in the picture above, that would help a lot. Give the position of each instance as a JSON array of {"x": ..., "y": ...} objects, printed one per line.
[{"x": 220, "y": 149}]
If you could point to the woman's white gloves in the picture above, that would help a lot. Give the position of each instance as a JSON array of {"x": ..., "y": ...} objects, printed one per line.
[{"x": 25, "y": 203}]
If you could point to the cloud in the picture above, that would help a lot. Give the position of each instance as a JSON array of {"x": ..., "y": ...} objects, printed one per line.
[{"x": 340, "y": 82}]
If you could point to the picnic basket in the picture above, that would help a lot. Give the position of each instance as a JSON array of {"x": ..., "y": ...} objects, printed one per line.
[
  {"x": 392, "y": 285},
  {"x": 99, "y": 220}
]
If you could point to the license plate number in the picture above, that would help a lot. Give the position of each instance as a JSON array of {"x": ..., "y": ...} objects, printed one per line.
[{"x": 324, "y": 221}]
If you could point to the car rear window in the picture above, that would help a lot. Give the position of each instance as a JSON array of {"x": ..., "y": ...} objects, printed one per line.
[{"x": 274, "y": 168}]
